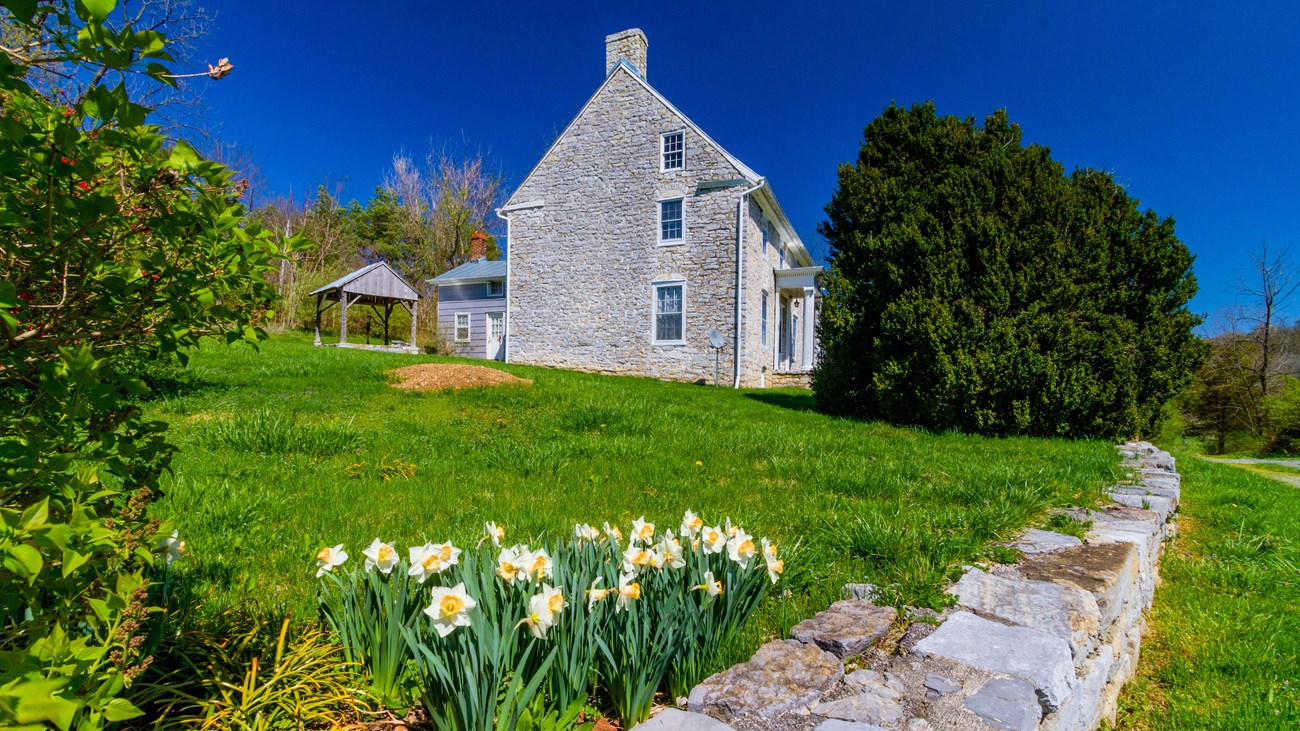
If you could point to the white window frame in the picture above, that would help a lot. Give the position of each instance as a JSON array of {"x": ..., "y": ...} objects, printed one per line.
[
  {"x": 663, "y": 154},
  {"x": 654, "y": 311},
  {"x": 500, "y": 289},
  {"x": 660, "y": 218},
  {"x": 469, "y": 335},
  {"x": 764, "y": 317}
]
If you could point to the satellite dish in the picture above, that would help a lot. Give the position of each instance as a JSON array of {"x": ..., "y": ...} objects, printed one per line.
[{"x": 715, "y": 338}]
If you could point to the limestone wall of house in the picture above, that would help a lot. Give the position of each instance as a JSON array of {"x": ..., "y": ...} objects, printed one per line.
[{"x": 582, "y": 265}]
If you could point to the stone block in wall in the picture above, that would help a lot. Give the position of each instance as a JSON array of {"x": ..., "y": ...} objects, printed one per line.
[
  {"x": 1065, "y": 611},
  {"x": 1108, "y": 571},
  {"x": 782, "y": 676},
  {"x": 1042, "y": 659}
]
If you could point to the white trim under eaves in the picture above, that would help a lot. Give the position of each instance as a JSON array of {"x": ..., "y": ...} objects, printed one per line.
[
  {"x": 626, "y": 68},
  {"x": 521, "y": 206}
]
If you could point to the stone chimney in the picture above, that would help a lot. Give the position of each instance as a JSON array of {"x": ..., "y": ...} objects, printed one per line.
[
  {"x": 478, "y": 246},
  {"x": 629, "y": 44}
]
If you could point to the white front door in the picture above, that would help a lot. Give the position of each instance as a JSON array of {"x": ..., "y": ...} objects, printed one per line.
[{"x": 496, "y": 335}]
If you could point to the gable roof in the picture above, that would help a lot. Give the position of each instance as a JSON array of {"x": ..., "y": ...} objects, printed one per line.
[
  {"x": 472, "y": 271},
  {"x": 628, "y": 69},
  {"x": 375, "y": 280},
  {"x": 767, "y": 198}
]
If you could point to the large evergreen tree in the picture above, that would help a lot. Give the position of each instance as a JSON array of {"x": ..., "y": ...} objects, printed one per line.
[{"x": 974, "y": 285}]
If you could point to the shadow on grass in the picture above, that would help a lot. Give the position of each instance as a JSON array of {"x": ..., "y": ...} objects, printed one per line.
[{"x": 793, "y": 400}]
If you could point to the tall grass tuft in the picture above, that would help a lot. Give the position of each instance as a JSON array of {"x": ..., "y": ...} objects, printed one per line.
[{"x": 267, "y": 431}]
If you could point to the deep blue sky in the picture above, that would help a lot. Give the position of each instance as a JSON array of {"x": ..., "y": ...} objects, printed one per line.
[{"x": 1194, "y": 107}]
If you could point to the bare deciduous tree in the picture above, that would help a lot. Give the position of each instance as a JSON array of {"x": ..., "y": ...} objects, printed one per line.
[{"x": 1268, "y": 287}]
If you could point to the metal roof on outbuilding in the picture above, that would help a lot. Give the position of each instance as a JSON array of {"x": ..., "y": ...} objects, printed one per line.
[
  {"x": 377, "y": 281},
  {"x": 472, "y": 271}
]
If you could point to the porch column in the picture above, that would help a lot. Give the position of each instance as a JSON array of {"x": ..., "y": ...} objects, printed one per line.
[
  {"x": 319, "y": 297},
  {"x": 343, "y": 318},
  {"x": 414, "y": 305},
  {"x": 806, "y": 346}
]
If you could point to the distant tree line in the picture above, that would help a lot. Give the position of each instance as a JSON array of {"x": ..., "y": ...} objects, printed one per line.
[{"x": 1246, "y": 396}]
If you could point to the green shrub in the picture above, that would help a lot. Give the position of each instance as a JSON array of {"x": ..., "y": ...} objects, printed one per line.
[
  {"x": 975, "y": 286},
  {"x": 117, "y": 242}
]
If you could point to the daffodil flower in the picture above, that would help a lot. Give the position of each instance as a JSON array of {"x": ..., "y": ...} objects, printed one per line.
[
  {"x": 731, "y": 529},
  {"x": 584, "y": 532},
  {"x": 628, "y": 591},
  {"x": 540, "y": 566},
  {"x": 741, "y": 548},
  {"x": 493, "y": 532},
  {"x": 510, "y": 563},
  {"x": 173, "y": 547},
  {"x": 380, "y": 555},
  {"x": 714, "y": 539},
  {"x": 544, "y": 610},
  {"x": 636, "y": 558},
  {"x": 328, "y": 558},
  {"x": 431, "y": 559},
  {"x": 711, "y": 586},
  {"x": 643, "y": 531},
  {"x": 614, "y": 533},
  {"x": 595, "y": 595},
  {"x": 670, "y": 552},
  {"x": 449, "y": 608},
  {"x": 775, "y": 566},
  {"x": 692, "y": 524}
]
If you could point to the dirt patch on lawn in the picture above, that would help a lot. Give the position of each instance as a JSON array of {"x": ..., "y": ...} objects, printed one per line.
[{"x": 441, "y": 376}]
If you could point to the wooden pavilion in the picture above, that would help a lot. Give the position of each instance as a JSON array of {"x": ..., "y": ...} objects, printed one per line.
[{"x": 376, "y": 286}]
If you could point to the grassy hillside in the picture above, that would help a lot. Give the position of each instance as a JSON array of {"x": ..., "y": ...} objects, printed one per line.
[
  {"x": 1223, "y": 647},
  {"x": 285, "y": 450}
]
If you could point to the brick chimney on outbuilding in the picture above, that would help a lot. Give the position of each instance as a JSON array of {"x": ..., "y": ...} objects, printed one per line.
[
  {"x": 478, "y": 246},
  {"x": 629, "y": 44}
]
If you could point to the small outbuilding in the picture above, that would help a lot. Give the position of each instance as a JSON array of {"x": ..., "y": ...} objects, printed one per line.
[
  {"x": 376, "y": 286},
  {"x": 472, "y": 309}
]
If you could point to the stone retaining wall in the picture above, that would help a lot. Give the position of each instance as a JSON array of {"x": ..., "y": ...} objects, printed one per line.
[{"x": 1043, "y": 644}]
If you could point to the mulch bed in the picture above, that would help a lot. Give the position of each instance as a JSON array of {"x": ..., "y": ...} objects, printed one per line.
[{"x": 442, "y": 376}]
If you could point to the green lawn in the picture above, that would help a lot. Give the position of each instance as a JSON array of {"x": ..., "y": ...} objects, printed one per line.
[
  {"x": 271, "y": 441},
  {"x": 1223, "y": 646}
]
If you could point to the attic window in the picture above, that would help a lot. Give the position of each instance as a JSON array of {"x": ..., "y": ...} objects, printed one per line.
[
  {"x": 496, "y": 289},
  {"x": 673, "y": 146}
]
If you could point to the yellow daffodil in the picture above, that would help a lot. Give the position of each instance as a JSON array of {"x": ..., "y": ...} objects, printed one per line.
[
  {"x": 643, "y": 531},
  {"x": 775, "y": 566},
  {"x": 692, "y": 524},
  {"x": 628, "y": 591},
  {"x": 380, "y": 555},
  {"x": 544, "y": 610},
  {"x": 636, "y": 558},
  {"x": 449, "y": 608},
  {"x": 510, "y": 564},
  {"x": 711, "y": 586},
  {"x": 173, "y": 547},
  {"x": 584, "y": 532},
  {"x": 328, "y": 558},
  {"x": 493, "y": 532},
  {"x": 714, "y": 539},
  {"x": 741, "y": 548},
  {"x": 595, "y": 595},
  {"x": 614, "y": 533}
]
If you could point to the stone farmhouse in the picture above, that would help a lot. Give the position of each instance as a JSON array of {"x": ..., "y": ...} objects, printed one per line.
[{"x": 636, "y": 235}]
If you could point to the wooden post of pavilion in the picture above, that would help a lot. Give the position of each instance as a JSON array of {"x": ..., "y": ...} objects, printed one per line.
[
  {"x": 319, "y": 298},
  {"x": 343, "y": 318}
]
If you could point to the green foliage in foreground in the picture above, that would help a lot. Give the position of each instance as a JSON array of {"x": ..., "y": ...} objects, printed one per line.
[
  {"x": 1223, "y": 647},
  {"x": 575, "y": 447},
  {"x": 976, "y": 286},
  {"x": 116, "y": 244}
]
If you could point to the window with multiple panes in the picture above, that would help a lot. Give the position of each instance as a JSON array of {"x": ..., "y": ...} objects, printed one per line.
[
  {"x": 670, "y": 220},
  {"x": 764, "y": 318},
  {"x": 674, "y": 150},
  {"x": 496, "y": 289},
  {"x": 668, "y": 312},
  {"x": 764, "y": 229},
  {"x": 462, "y": 327}
]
